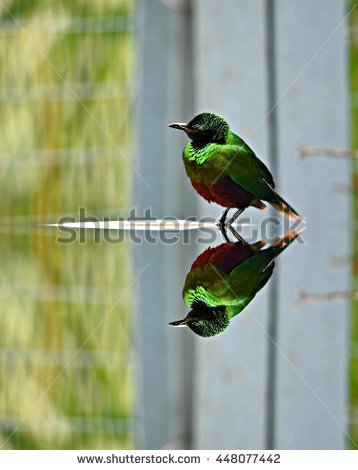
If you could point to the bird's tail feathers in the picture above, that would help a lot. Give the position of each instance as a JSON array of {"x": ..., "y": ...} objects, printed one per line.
[
  {"x": 287, "y": 239},
  {"x": 259, "y": 204},
  {"x": 280, "y": 245},
  {"x": 258, "y": 245},
  {"x": 284, "y": 208}
]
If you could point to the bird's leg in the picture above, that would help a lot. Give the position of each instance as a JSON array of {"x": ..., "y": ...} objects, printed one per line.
[
  {"x": 221, "y": 223},
  {"x": 237, "y": 235},
  {"x": 224, "y": 234},
  {"x": 234, "y": 217}
]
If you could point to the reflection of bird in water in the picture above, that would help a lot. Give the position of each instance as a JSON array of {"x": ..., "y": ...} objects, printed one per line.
[
  {"x": 225, "y": 170},
  {"x": 223, "y": 281}
]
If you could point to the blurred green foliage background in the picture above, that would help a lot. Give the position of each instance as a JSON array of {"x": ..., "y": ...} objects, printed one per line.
[{"x": 66, "y": 96}]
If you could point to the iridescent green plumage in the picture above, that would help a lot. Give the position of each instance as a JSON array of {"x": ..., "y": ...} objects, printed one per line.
[
  {"x": 224, "y": 280},
  {"x": 225, "y": 170}
]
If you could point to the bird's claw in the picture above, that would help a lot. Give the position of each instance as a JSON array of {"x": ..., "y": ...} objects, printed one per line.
[{"x": 221, "y": 223}]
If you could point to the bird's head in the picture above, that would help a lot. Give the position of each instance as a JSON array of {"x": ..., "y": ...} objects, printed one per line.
[
  {"x": 204, "y": 320},
  {"x": 205, "y": 127}
]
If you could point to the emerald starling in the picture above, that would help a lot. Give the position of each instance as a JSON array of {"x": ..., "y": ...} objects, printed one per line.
[
  {"x": 223, "y": 281},
  {"x": 225, "y": 170}
]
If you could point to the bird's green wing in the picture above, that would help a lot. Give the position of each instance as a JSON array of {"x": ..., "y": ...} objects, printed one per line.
[
  {"x": 245, "y": 169},
  {"x": 250, "y": 276}
]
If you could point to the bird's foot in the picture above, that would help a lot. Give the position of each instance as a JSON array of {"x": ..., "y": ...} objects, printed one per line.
[
  {"x": 237, "y": 236},
  {"x": 223, "y": 226},
  {"x": 221, "y": 223},
  {"x": 234, "y": 217},
  {"x": 224, "y": 234}
]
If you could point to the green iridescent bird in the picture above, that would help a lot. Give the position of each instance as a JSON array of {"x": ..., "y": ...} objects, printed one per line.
[
  {"x": 224, "y": 280},
  {"x": 225, "y": 170}
]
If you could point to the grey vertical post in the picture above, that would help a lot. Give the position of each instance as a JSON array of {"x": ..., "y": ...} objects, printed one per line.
[
  {"x": 153, "y": 386},
  {"x": 181, "y": 202},
  {"x": 165, "y": 95},
  {"x": 311, "y": 70},
  {"x": 231, "y": 80}
]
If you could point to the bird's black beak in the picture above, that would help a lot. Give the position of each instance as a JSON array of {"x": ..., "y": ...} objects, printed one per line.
[
  {"x": 179, "y": 125},
  {"x": 183, "y": 322}
]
